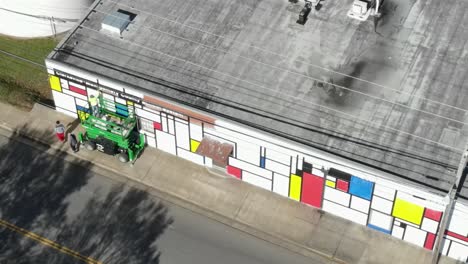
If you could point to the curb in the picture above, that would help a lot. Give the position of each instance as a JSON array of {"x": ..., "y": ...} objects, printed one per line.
[{"x": 180, "y": 201}]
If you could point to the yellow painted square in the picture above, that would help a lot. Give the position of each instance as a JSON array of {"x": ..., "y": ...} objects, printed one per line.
[
  {"x": 55, "y": 83},
  {"x": 194, "y": 145},
  {"x": 330, "y": 183},
  {"x": 129, "y": 102},
  {"x": 408, "y": 211},
  {"x": 82, "y": 115},
  {"x": 295, "y": 183}
]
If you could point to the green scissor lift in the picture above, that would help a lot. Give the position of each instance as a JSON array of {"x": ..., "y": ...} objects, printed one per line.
[{"x": 111, "y": 132}]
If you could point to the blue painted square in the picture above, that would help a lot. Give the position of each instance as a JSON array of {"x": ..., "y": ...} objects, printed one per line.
[
  {"x": 262, "y": 162},
  {"x": 121, "y": 112},
  {"x": 361, "y": 188},
  {"x": 121, "y": 107},
  {"x": 379, "y": 229},
  {"x": 81, "y": 108}
]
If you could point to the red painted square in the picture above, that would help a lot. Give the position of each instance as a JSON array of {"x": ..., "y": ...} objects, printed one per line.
[
  {"x": 157, "y": 126},
  {"x": 234, "y": 171},
  {"x": 77, "y": 90},
  {"x": 455, "y": 235},
  {"x": 430, "y": 238},
  {"x": 312, "y": 189},
  {"x": 342, "y": 185},
  {"x": 432, "y": 214}
]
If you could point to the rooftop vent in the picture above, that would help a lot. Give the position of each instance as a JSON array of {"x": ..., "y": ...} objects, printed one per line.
[{"x": 117, "y": 22}]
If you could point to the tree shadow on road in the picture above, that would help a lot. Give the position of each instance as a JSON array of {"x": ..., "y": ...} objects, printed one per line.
[
  {"x": 34, "y": 185},
  {"x": 121, "y": 226}
]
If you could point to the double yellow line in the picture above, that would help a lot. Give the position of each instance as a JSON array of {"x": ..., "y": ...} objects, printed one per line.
[{"x": 48, "y": 242}]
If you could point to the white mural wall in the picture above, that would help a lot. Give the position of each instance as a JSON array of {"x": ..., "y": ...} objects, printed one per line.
[{"x": 355, "y": 193}]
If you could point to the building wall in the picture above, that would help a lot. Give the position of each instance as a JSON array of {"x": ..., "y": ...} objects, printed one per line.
[{"x": 322, "y": 181}]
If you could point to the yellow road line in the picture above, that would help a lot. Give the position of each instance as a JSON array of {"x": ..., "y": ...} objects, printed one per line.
[{"x": 48, "y": 242}]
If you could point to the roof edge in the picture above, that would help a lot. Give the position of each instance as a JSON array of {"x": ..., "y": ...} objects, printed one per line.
[{"x": 329, "y": 156}]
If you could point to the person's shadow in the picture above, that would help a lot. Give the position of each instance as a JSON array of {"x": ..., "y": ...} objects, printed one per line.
[{"x": 71, "y": 127}]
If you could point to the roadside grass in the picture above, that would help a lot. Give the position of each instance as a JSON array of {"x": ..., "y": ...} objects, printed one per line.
[{"x": 23, "y": 83}]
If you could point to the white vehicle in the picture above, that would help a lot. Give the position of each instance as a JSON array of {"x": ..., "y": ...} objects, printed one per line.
[{"x": 362, "y": 9}]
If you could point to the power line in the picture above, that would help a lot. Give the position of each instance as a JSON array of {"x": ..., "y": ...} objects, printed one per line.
[
  {"x": 94, "y": 60},
  {"x": 288, "y": 121},
  {"x": 266, "y": 88},
  {"x": 139, "y": 76},
  {"x": 289, "y": 71},
  {"x": 21, "y": 51},
  {"x": 244, "y": 80},
  {"x": 29, "y": 61},
  {"x": 410, "y": 155},
  {"x": 333, "y": 109},
  {"x": 59, "y": 19},
  {"x": 79, "y": 7},
  {"x": 280, "y": 55},
  {"x": 276, "y": 132},
  {"x": 22, "y": 58}
]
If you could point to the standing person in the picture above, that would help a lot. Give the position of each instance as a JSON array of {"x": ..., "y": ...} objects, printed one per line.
[
  {"x": 73, "y": 142},
  {"x": 60, "y": 131},
  {"x": 93, "y": 101}
]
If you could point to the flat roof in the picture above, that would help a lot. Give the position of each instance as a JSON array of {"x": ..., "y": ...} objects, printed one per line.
[{"x": 389, "y": 93}]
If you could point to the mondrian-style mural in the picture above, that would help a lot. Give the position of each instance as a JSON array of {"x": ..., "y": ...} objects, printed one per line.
[
  {"x": 171, "y": 132},
  {"x": 387, "y": 208}
]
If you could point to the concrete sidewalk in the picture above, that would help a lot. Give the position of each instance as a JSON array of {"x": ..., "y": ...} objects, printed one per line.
[{"x": 279, "y": 220}]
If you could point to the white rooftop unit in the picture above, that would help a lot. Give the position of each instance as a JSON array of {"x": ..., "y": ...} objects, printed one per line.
[{"x": 117, "y": 22}]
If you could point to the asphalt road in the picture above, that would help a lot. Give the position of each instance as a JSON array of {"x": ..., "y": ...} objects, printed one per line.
[{"x": 75, "y": 213}]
